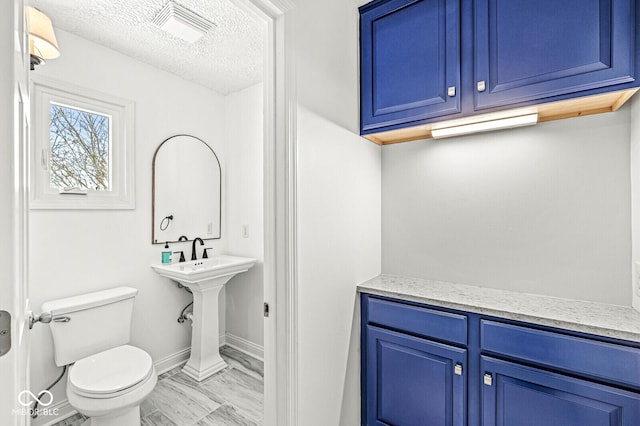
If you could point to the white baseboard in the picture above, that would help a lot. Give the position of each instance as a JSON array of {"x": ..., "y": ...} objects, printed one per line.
[
  {"x": 62, "y": 409},
  {"x": 244, "y": 345},
  {"x": 167, "y": 363}
]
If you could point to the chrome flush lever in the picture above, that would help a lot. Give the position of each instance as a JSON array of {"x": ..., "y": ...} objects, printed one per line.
[{"x": 45, "y": 318}]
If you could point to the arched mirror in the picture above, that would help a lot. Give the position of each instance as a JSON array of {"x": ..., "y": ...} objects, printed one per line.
[{"x": 186, "y": 190}]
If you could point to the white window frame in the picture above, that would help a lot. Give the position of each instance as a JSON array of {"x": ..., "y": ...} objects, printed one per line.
[{"x": 121, "y": 195}]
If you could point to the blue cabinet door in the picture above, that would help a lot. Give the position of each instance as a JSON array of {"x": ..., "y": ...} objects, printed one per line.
[
  {"x": 410, "y": 61},
  {"x": 529, "y": 50},
  {"x": 412, "y": 381},
  {"x": 516, "y": 395}
]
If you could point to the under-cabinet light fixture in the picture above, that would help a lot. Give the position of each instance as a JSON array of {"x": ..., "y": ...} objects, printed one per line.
[
  {"x": 181, "y": 22},
  {"x": 484, "y": 126},
  {"x": 42, "y": 40}
]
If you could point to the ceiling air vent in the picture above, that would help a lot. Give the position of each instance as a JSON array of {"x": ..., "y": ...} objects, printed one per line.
[{"x": 182, "y": 22}]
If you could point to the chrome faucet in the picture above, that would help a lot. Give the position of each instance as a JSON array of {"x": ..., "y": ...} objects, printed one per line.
[{"x": 193, "y": 248}]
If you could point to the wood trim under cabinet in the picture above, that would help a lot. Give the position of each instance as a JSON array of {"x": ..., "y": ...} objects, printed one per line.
[{"x": 577, "y": 107}]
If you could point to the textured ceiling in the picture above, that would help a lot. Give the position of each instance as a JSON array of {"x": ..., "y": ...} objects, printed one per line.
[{"x": 227, "y": 59}]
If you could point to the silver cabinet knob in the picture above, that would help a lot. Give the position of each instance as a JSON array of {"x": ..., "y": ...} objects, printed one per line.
[
  {"x": 488, "y": 380},
  {"x": 481, "y": 86},
  {"x": 451, "y": 91},
  {"x": 457, "y": 370}
]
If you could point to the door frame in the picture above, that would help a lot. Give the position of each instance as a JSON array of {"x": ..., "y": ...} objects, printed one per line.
[
  {"x": 280, "y": 210},
  {"x": 14, "y": 123}
]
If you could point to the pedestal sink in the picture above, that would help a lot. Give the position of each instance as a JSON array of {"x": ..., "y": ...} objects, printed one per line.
[{"x": 205, "y": 278}]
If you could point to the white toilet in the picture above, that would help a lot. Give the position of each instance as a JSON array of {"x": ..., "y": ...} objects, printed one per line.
[{"x": 109, "y": 378}]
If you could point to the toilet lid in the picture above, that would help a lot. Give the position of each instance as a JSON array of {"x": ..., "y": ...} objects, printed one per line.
[{"x": 111, "y": 371}]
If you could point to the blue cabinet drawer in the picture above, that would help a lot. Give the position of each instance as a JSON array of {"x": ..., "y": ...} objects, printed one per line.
[
  {"x": 589, "y": 358},
  {"x": 418, "y": 320}
]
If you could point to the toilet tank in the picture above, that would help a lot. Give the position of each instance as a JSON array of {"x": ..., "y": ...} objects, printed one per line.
[{"x": 97, "y": 321}]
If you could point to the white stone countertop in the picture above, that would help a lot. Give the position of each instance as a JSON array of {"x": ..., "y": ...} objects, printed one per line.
[{"x": 600, "y": 319}]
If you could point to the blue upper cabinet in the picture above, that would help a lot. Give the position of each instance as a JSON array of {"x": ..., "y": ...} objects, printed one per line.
[
  {"x": 528, "y": 50},
  {"x": 427, "y": 61},
  {"x": 410, "y": 61}
]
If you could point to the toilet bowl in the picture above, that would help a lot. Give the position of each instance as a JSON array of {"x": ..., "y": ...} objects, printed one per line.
[
  {"x": 108, "y": 378},
  {"x": 109, "y": 386}
]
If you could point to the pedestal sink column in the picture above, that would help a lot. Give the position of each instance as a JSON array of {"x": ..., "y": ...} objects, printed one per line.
[
  {"x": 205, "y": 340},
  {"x": 205, "y": 278}
]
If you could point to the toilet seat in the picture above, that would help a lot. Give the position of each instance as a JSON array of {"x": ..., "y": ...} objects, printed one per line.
[{"x": 111, "y": 373}]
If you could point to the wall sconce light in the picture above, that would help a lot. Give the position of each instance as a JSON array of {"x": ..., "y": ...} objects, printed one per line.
[{"x": 42, "y": 40}]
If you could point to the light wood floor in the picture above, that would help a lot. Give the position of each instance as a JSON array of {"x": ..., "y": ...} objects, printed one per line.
[{"x": 234, "y": 396}]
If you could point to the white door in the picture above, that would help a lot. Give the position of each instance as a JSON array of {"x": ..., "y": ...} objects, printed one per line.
[{"x": 14, "y": 124}]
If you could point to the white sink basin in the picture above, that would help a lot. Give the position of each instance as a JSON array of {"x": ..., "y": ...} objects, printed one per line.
[
  {"x": 198, "y": 271},
  {"x": 205, "y": 278}
]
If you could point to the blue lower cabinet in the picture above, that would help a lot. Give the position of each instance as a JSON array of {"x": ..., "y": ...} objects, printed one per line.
[
  {"x": 419, "y": 368},
  {"x": 412, "y": 381},
  {"x": 517, "y": 395}
]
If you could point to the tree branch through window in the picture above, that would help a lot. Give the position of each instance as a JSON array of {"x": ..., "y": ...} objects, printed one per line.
[{"x": 80, "y": 144}]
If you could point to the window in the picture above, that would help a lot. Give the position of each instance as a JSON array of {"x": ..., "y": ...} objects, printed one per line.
[
  {"x": 82, "y": 156},
  {"x": 80, "y": 142}
]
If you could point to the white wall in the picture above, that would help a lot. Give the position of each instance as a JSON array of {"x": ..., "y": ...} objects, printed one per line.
[
  {"x": 543, "y": 209},
  {"x": 338, "y": 211},
  {"x": 244, "y": 206},
  {"x": 73, "y": 252}
]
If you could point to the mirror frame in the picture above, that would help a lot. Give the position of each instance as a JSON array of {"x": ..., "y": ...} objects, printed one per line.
[{"x": 153, "y": 189}]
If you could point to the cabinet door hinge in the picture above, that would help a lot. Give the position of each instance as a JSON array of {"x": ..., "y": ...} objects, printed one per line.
[{"x": 265, "y": 309}]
